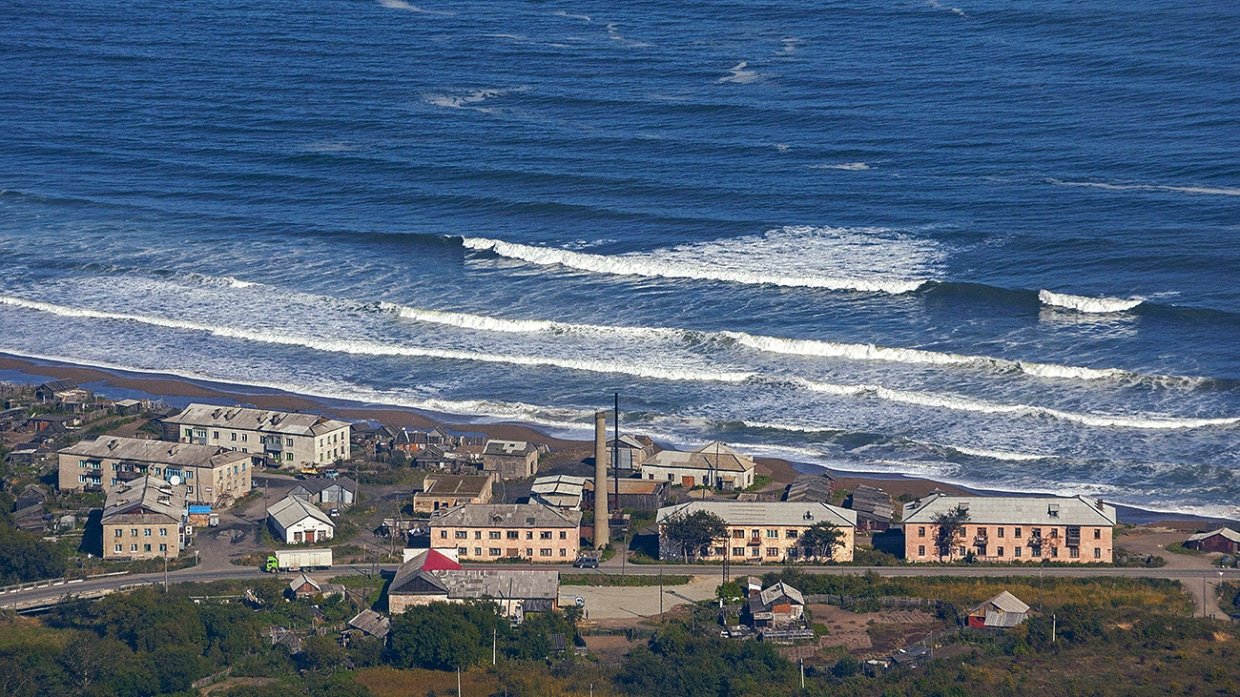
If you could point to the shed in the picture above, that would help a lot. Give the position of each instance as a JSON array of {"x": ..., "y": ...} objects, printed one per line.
[
  {"x": 296, "y": 521},
  {"x": 1000, "y": 612},
  {"x": 1223, "y": 540},
  {"x": 304, "y": 587}
]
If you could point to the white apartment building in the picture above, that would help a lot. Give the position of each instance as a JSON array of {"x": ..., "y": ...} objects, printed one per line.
[{"x": 292, "y": 440}]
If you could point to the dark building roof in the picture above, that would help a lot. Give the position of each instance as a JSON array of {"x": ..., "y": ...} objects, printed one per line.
[
  {"x": 872, "y": 502},
  {"x": 810, "y": 488}
]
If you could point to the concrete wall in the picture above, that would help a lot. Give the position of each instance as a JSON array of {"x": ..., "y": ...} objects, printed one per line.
[
  {"x": 1011, "y": 543},
  {"x": 771, "y": 544},
  {"x": 698, "y": 477},
  {"x": 141, "y": 538},
  {"x": 310, "y": 529}
]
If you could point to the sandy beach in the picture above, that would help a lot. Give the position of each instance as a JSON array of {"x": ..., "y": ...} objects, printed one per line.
[{"x": 781, "y": 471}]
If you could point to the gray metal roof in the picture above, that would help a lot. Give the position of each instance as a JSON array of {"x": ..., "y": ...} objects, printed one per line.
[
  {"x": 714, "y": 455},
  {"x": 302, "y": 580},
  {"x": 512, "y": 448},
  {"x": 147, "y": 494},
  {"x": 290, "y": 509},
  {"x": 455, "y": 484},
  {"x": 211, "y": 416},
  {"x": 371, "y": 623},
  {"x": 780, "y": 590},
  {"x": 766, "y": 513},
  {"x": 506, "y": 515},
  {"x": 156, "y": 452},
  {"x": 1011, "y": 510},
  {"x": 1225, "y": 532}
]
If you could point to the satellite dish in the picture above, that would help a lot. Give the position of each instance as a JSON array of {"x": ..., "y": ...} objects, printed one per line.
[{"x": 174, "y": 480}]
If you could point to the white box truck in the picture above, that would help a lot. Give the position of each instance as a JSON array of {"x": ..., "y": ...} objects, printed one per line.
[{"x": 299, "y": 559}]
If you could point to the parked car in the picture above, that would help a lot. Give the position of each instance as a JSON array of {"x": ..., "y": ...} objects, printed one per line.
[{"x": 586, "y": 563}]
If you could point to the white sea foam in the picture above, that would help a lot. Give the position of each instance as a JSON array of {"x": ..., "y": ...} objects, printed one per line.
[
  {"x": 463, "y": 101},
  {"x": 1183, "y": 189},
  {"x": 968, "y": 404},
  {"x": 613, "y": 31},
  {"x": 846, "y": 166},
  {"x": 940, "y": 6},
  {"x": 371, "y": 348},
  {"x": 740, "y": 74},
  {"x": 998, "y": 454},
  {"x": 782, "y": 147},
  {"x": 408, "y": 7},
  {"x": 788, "y": 46},
  {"x": 1086, "y": 304},
  {"x": 865, "y": 260},
  {"x": 569, "y": 15}
]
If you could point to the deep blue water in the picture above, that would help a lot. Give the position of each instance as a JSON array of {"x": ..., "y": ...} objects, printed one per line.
[{"x": 816, "y": 230}]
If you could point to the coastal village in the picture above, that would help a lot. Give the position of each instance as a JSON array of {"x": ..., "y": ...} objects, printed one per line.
[{"x": 620, "y": 535}]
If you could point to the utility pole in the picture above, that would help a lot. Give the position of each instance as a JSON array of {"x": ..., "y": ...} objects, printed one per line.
[
  {"x": 1054, "y": 626},
  {"x": 1203, "y": 595},
  {"x": 660, "y": 595},
  {"x": 494, "y": 636},
  {"x": 165, "y": 569},
  {"x": 801, "y": 661},
  {"x": 458, "y": 681}
]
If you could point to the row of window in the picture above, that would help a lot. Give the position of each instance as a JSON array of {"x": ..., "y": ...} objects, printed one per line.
[
  {"x": 1017, "y": 552},
  {"x": 146, "y": 532},
  {"x": 498, "y": 534},
  {"x": 497, "y": 552},
  {"x": 327, "y": 440},
  {"x": 119, "y": 549},
  {"x": 791, "y": 534},
  {"x": 1017, "y": 533}
]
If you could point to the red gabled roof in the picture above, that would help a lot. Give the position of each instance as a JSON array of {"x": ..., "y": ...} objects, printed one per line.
[{"x": 436, "y": 561}]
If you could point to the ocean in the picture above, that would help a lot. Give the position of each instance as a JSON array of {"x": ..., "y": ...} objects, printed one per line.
[{"x": 990, "y": 243}]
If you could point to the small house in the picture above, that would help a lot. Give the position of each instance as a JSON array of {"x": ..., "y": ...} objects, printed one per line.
[
  {"x": 451, "y": 490},
  {"x": 127, "y": 407},
  {"x": 810, "y": 488},
  {"x": 304, "y": 587},
  {"x": 1000, "y": 612},
  {"x": 874, "y": 507},
  {"x": 340, "y": 492},
  {"x": 510, "y": 459},
  {"x": 371, "y": 623},
  {"x": 295, "y": 521},
  {"x": 779, "y": 606},
  {"x": 1223, "y": 540}
]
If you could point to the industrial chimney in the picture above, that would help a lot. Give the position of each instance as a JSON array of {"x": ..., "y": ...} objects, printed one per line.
[{"x": 602, "y": 535}]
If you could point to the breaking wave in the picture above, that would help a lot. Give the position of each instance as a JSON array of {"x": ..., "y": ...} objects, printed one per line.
[
  {"x": 749, "y": 260},
  {"x": 1182, "y": 189},
  {"x": 1082, "y": 303}
]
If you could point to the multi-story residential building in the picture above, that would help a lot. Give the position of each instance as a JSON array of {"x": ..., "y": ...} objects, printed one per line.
[
  {"x": 291, "y": 440},
  {"x": 144, "y": 519},
  {"x": 491, "y": 531},
  {"x": 212, "y": 475},
  {"x": 441, "y": 491},
  {"x": 762, "y": 532},
  {"x": 510, "y": 459},
  {"x": 714, "y": 465},
  {"x": 1011, "y": 529}
]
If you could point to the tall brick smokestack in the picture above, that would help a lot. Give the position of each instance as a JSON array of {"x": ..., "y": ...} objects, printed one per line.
[{"x": 602, "y": 535}]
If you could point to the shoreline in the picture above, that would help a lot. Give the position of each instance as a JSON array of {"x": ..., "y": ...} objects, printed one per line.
[{"x": 174, "y": 388}]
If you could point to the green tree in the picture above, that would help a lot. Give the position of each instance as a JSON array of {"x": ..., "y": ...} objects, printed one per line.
[
  {"x": 821, "y": 540},
  {"x": 439, "y": 636},
  {"x": 694, "y": 533},
  {"x": 949, "y": 527},
  {"x": 26, "y": 557},
  {"x": 322, "y": 653}
]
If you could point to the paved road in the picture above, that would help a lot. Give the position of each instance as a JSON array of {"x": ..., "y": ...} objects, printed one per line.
[{"x": 1193, "y": 579}]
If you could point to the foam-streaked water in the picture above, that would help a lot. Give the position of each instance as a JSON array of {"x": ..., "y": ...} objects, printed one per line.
[{"x": 994, "y": 244}]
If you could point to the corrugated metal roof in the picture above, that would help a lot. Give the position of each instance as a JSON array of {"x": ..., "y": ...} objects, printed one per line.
[
  {"x": 1029, "y": 510},
  {"x": 766, "y": 513},
  {"x": 289, "y": 510},
  {"x": 455, "y": 484},
  {"x": 145, "y": 494},
  {"x": 1225, "y": 532},
  {"x": 211, "y": 416},
  {"x": 713, "y": 455},
  {"x": 512, "y": 448}
]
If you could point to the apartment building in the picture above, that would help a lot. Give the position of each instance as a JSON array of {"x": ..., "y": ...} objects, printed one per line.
[
  {"x": 212, "y": 475},
  {"x": 762, "y": 532},
  {"x": 291, "y": 440},
  {"x": 510, "y": 459},
  {"x": 144, "y": 519},
  {"x": 492, "y": 531},
  {"x": 440, "y": 491},
  {"x": 1012, "y": 529}
]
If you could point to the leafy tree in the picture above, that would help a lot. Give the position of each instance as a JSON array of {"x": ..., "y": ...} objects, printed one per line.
[
  {"x": 322, "y": 653},
  {"x": 821, "y": 540},
  {"x": 439, "y": 636},
  {"x": 949, "y": 526},
  {"x": 26, "y": 557},
  {"x": 730, "y": 591},
  {"x": 694, "y": 533}
]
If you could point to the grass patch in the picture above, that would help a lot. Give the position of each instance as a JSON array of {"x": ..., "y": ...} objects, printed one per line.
[
  {"x": 630, "y": 580},
  {"x": 1179, "y": 548},
  {"x": 760, "y": 482}
]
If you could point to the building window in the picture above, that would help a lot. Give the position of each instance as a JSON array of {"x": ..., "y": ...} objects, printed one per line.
[
  {"x": 999, "y": 551},
  {"x": 1097, "y": 533},
  {"x": 146, "y": 532},
  {"x": 772, "y": 534},
  {"x": 981, "y": 532},
  {"x": 1097, "y": 553},
  {"x": 921, "y": 550},
  {"x": 443, "y": 534},
  {"x": 133, "y": 532},
  {"x": 1054, "y": 551},
  {"x": 1016, "y": 533},
  {"x": 513, "y": 535},
  {"x": 163, "y": 532},
  {"x": 544, "y": 535},
  {"x": 244, "y": 438},
  {"x": 921, "y": 531},
  {"x": 738, "y": 551},
  {"x": 462, "y": 534},
  {"x": 563, "y": 534},
  {"x": 118, "y": 549},
  {"x": 288, "y": 442},
  {"x": 133, "y": 548},
  {"x": 1000, "y": 533},
  {"x": 189, "y": 433},
  {"x": 1037, "y": 551},
  {"x": 544, "y": 552},
  {"x": 477, "y": 534},
  {"x": 494, "y": 535},
  {"x": 1016, "y": 551},
  {"x": 772, "y": 551},
  {"x": 756, "y": 553},
  {"x": 494, "y": 552},
  {"x": 1074, "y": 552},
  {"x": 288, "y": 456},
  {"x": 793, "y": 534},
  {"x": 1054, "y": 533},
  {"x": 738, "y": 534},
  {"x": 163, "y": 547},
  {"x": 234, "y": 436},
  {"x": 529, "y": 552},
  {"x": 215, "y": 435},
  {"x": 563, "y": 552},
  {"x": 477, "y": 551},
  {"x": 529, "y": 534},
  {"x": 118, "y": 533}
]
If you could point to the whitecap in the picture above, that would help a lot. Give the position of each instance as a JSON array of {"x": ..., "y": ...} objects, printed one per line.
[
  {"x": 740, "y": 74},
  {"x": 408, "y": 7},
  {"x": 1183, "y": 189},
  {"x": 1086, "y": 304},
  {"x": 845, "y": 166}
]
